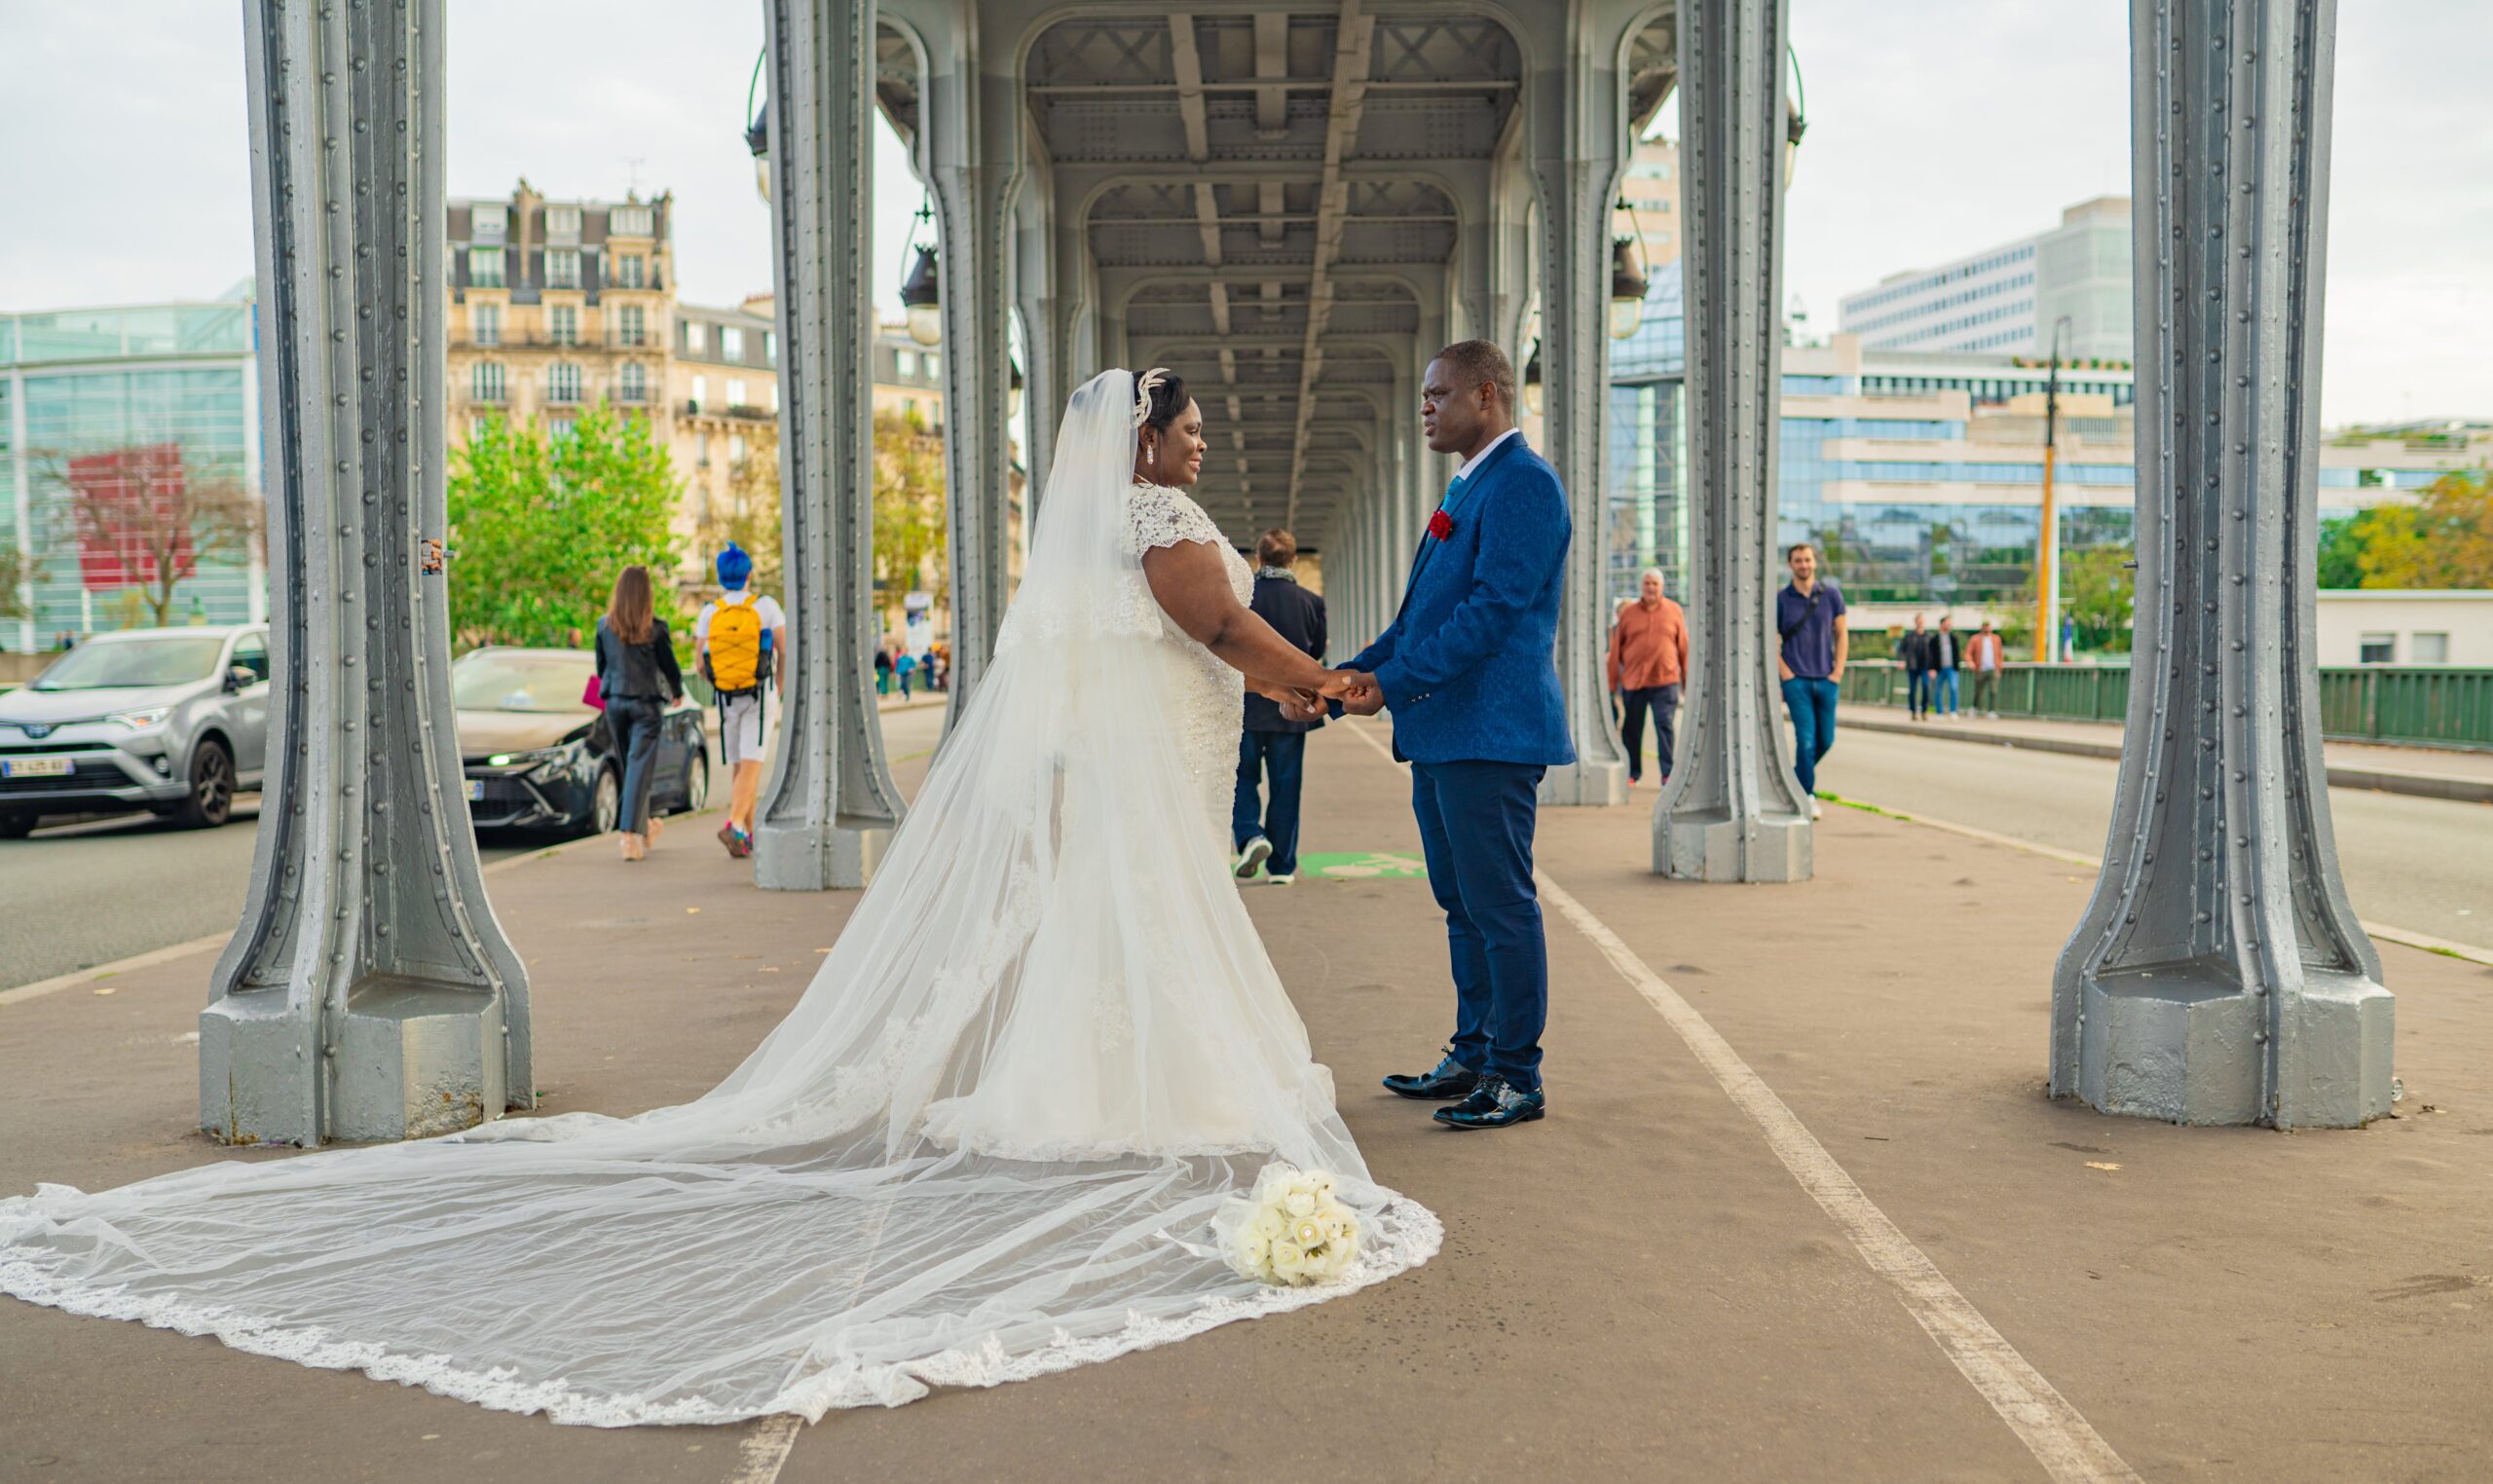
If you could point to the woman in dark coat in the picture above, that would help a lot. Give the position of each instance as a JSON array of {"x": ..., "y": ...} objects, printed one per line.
[{"x": 639, "y": 679}]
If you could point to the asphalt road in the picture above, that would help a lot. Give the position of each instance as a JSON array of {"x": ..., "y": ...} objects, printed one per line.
[
  {"x": 2423, "y": 864},
  {"x": 73, "y": 896}
]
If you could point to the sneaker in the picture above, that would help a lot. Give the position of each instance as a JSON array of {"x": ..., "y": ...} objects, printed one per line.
[
  {"x": 1251, "y": 857},
  {"x": 741, "y": 846},
  {"x": 1814, "y": 810},
  {"x": 1281, "y": 877}
]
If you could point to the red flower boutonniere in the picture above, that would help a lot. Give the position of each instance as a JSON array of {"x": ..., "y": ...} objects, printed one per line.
[{"x": 1441, "y": 526}]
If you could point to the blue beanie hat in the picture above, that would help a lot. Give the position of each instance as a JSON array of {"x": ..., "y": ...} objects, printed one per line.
[{"x": 735, "y": 566}]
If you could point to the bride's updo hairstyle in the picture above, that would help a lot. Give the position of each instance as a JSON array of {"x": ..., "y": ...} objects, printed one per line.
[{"x": 1168, "y": 401}]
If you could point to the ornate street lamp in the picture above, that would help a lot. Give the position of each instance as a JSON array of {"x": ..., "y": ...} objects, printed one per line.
[
  {"x": 756, "y": 133},
  {"x": 1627, "y": 285},
  {"x": 923, "y": 292}
]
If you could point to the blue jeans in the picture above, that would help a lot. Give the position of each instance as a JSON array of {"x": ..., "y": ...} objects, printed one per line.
[
  {"x": 635, "y": 721},
  {"x": 1811, "y": 701},
  {"x": 1943, "y": 691},
  {"x": 1282, "y": 755},
  {"x": 1476, "y": 830},
  {"x": 1663, "y": 702},
  {"x": 1916, "y": 690}
]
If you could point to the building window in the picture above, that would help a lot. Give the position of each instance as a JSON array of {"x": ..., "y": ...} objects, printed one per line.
[
  {"x": 632, "y": 270},
  {"x": 488, "y": 219},
  {"x": 563, "y": 221},
  {"x": 561, "y": 426},
  {"x": 476, "y": 427},
  {"x": 735, "y": 391},
  {"x": 485, "y": 382},
  {"x": 2432, "y": 649},
  {"x": 632, "y": 382},
  {"x": 730, "y": 343},
  {"x": 2378, "y": 650},
  {"x": 634, "y": 326},
  {"x": 628, "y": 221},
  {"x": 934, "y": 365},
  {"x": 563, "y": 323},
  {"x": 486, "y": 320},
  {"x": 563, "y": 382},
  {"x": 906, "y": 360},
  {"x": 562, "y": 267},
  {"x": 701, "y": 451},
  {"x": 769, "y": 349},
  {"x": 485, "y": 266},
  {"x": 735, "y": 449},
  {"x": 692, "y": 337},
  {"x": 700, "y": 392}
]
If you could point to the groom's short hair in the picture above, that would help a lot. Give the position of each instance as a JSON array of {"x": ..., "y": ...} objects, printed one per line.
[
  {"x": 1277, "y": 548},
  {"x": 1473, "y": 361}
]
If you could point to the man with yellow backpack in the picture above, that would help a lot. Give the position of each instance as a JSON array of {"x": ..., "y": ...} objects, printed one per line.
[{"x": 739, "y": 643}]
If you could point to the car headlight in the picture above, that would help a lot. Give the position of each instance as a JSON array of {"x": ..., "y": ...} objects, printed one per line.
[
  {"x": 140, "y": 720},
  {"x": 536, "y": 757}
]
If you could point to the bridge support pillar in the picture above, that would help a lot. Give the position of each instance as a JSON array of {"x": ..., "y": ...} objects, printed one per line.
[
  {"x": 1733, "y": 810},
  {"x": 830, "y": 802},
  {"x": 368, "y": 994},
  {"x": 2219, "y": 975}
]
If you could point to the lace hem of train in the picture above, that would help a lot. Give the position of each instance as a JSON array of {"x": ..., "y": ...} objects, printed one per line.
[{"x": 1403, "y": 1235}]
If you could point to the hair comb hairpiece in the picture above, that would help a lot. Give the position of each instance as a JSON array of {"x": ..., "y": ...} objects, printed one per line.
[{"x": 1144, "y": 385}]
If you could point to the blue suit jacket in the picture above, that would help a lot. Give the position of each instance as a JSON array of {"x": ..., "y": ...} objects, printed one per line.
[{"x": 1468, "y": 667}]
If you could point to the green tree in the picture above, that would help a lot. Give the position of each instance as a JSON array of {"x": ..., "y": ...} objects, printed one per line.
[
  {"x": 2443, "y": 540},
  {"x": 17, "y": 574},
  {"x": 2097, "y": 592},
  {"x": 2341, "y": 552},
  {"x": 750, "y": 516},
  {"x": 541, "y": 525},
  {"x": 908, "y": 507}
]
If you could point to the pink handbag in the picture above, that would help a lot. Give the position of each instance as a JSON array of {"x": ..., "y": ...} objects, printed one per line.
[{"x": 593, "y": 694}]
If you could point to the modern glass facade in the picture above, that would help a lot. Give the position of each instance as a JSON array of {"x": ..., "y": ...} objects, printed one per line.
[{"x": 84, "y": 392}]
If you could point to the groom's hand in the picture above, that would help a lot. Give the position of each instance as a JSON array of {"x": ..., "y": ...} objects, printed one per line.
[{"x": 1358, "y": 692}]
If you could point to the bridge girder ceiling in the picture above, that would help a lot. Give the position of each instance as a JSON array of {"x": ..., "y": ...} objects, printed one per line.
[{"x": 1257, "y": 236}]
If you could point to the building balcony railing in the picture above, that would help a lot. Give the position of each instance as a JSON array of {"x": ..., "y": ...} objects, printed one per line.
[
  {"x": 635, "y": 395},
  {"x": 695, "y": 407},
  {"x": 584, "y": 340}
]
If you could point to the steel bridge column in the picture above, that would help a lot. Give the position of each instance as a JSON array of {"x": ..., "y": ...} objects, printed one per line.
[
  {"x": 831, "y": 801},
  {"x": 1574, "y": 143},
  {"x": 1733, "y": 810},
  {"x": 368, "y": 994},
  {"x": 2219, "y": 975}
]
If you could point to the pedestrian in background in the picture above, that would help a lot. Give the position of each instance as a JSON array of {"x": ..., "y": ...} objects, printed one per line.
[
  {"x": 1915, "y": 651},
  {"x": 1945, "y": 657},
  {"x": 639, "y": 679},
  {"x": 903, "y": 665},
  {"x": 1808, "y": 613},
  {"x": 1983, "y": 653},
  {"x": 1271, "y": 749},
  {"x": 740, "y": 644},
  {"x": 883, "y": 670},
  {"x": 1648, "y": 665}
]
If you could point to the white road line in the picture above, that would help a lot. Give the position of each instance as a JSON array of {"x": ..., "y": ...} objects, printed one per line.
[{"x": 2062, "y": 1440}]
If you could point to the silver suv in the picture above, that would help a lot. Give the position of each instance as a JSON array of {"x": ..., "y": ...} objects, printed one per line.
[{"x": 171, "y": 720}]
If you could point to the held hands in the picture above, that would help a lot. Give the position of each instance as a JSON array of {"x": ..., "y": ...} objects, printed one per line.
[{"x": 1359, "y": 692}]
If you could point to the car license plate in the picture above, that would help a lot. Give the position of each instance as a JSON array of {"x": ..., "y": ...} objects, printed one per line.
[
  {"x": 475, "y": 791},
  {"x": 35, "y": 768}
]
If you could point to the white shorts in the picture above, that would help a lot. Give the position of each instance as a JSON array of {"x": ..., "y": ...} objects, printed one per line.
[{"x": 740, "y": 730}]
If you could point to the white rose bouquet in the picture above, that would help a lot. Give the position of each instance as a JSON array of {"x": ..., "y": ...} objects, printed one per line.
[{"x": 1290, "y": 1231}]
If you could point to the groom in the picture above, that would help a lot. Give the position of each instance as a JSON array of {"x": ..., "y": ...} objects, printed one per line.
[{"x": 1467, "y": 671}]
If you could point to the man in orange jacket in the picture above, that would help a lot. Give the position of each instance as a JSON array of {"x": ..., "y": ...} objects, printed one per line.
[{"x": 1648, "y": 664}]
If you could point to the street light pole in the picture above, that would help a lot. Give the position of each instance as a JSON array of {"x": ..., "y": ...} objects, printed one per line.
[{"x": 2047, "y": 620}]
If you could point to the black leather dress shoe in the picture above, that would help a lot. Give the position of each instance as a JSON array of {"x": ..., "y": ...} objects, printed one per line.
[
  {"x": 1449, "y": 1079},
  {"x": 1496, "y": 1104}
]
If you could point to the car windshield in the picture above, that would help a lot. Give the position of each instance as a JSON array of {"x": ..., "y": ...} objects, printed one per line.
[
  {"x": 485, "y": 681},
  {"x": 102, "y": 665}
]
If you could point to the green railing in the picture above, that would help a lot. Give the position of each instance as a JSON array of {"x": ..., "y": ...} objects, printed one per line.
[{"x": 2434, "y": 707}]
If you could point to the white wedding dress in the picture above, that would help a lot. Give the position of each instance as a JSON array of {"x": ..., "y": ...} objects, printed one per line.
[{"x": 988, "y": 1143}]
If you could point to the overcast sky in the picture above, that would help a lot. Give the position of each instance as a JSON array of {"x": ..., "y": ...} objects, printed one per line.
[{"x": 1935, "y": 129}]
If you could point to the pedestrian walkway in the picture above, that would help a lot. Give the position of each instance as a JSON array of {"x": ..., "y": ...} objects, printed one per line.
[
  {"x": 1801, "y": 1209},
  {"x": 2430, "y": 772}
]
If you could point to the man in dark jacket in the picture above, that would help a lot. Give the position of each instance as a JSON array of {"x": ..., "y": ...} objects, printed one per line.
[
  {"x": 1272, "y": 746},
  {"x": 1915, "y": 650}
]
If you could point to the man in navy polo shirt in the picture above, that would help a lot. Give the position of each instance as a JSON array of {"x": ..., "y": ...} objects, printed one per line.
[{"x": 1809, "y": 614}]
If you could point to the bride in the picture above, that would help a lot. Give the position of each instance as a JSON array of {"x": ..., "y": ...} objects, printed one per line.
[{"x": 989, "y": 1144}]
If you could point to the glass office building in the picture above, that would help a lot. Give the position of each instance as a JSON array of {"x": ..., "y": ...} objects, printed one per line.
[{"x": 87, "y": 398}]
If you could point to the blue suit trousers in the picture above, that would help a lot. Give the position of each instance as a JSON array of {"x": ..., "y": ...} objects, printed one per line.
[{"x": 1476, "y": 829}]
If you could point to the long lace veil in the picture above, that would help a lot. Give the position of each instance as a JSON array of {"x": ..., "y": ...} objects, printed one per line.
[{"x": 987, "y": 1144}]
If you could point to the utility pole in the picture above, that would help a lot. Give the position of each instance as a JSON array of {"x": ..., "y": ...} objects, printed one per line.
[{"x": 2047, "y": 620}]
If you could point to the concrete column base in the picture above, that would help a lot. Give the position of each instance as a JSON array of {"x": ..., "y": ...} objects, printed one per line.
[
  {"x": 1586, "y": 784},
  {"x": 2191, "y": 1047},
  {"x": 409, "y": 1059},
  {"x": 1711, "y": 846},
  {"x": 815, "y": 857}
]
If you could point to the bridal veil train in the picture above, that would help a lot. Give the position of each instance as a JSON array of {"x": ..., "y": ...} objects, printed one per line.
[{"x": 987, "y": 1144}]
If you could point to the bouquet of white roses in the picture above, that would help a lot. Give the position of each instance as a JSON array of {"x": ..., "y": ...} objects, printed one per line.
[{"x": 1291, "y": 1230}]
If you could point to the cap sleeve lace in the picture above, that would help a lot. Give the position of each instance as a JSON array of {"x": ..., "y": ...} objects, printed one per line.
[{"x": 1162, "y": 517}]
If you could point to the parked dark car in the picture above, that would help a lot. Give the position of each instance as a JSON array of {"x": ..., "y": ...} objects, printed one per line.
[
  {"x": 172, "y": 721},
  {"x": 536, "y": 758}
]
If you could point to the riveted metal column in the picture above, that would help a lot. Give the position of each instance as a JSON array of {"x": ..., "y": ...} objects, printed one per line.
[
  {"x": 1039, "y": 285},
  {"x": 1733, "y": 811},
  {"x": 369, "y": 993},
  {"x": 1574, "y": 140},
  {"x": 2219, "y": 975},
  {"x": 972, "y": 146},
  {"x": 831, "y": 801}
]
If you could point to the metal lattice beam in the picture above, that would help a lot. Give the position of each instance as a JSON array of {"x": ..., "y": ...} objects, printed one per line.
[
  {"x": 1733, "y": 810},
  {"x": 2219, "y": 975},
  {"x": 369, "y": 993}
]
